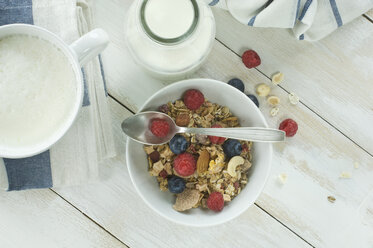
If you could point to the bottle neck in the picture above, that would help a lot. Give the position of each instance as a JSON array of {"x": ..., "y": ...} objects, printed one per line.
[{"x": 174, "y": 40}]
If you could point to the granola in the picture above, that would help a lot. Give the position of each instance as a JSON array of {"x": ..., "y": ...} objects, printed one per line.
[{"x": 215, "y": 172}]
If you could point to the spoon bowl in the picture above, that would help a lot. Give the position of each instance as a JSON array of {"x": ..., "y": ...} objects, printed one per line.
[{"x": 137, "y": 127}]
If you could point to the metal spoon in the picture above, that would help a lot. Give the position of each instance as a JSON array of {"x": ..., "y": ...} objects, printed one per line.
[{"x": 137, "y": 127}]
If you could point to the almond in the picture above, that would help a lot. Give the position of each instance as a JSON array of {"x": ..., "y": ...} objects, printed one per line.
[
  {"x": 182, "y": 120},
  {"x": 203, "y": 162}
]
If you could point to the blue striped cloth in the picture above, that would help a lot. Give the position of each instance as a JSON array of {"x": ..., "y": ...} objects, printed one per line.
[
  {"x": 73, "y": 160},
  {"x": 309, "y": 19}
]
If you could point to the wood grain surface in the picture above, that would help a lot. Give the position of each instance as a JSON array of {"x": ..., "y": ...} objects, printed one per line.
[
  {"x": 40, "y": 218},
  {"x": 116, "y": 206},
  {"x": 333, "y": 78}
]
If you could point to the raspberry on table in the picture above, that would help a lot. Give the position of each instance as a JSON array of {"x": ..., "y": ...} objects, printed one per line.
[
  {"x": 193, "y": 99},
  {"x": 159, "y": 127},
  {"x": 215, "y": 139},
  {"x": 289, "y": 126},
  {"x": 251, "y": 59},
  {"x": 215, "y": 201},
  {"x": 185, "y": 164}
]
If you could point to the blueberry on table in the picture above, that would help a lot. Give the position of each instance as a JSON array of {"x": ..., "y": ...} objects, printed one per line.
[
  {"x": 254, "y": 99},
  {"x": 237, "y": 83},
  {"x": 176, "y": 184},
  {"x": 232, "y": 147},
  {"x": 178, "y": 144}
]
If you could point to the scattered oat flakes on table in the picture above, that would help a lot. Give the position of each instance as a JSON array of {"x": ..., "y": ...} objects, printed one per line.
[
  {"x": 273, "y": 100},
  {"x": 345, "y": 175},
  {"x": 263, "y": 90},
  {"x": 277, "y": 78},
  {"x": 283, "y": 178},
  {"x": 331, "y": 199},
  {"x": 274, "y": 111},
  {"x": 293, "y": 98}
]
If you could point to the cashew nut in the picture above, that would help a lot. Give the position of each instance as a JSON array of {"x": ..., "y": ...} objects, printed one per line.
[{"x": 233, "y": 163}]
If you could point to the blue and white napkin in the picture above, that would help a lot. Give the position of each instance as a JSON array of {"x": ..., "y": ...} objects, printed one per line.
[
  {"x": 76, "y": 158},
  {"x": 309, "y": 19}
]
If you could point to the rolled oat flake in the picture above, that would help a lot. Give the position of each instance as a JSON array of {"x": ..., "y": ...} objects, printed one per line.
[
  {"x": 274, "y": 111},
  {"x": 293, "y": 98}
]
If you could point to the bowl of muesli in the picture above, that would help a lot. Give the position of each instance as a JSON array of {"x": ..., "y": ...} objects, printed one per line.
[{"x": 200, "y": 180}]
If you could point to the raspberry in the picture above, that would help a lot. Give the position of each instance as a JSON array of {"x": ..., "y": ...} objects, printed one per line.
[
  {"x": 193, "y": 99},
  {"x": 159, "y": 127},
  {"x": 184, "y": 164},
  {"x": 215, "y": 139},
  {"x": 215, "y": 201},
  {"x": 289, "y": 126},
  {"x": 251, "y": 59},
  {"x": 163, "y": 174}
]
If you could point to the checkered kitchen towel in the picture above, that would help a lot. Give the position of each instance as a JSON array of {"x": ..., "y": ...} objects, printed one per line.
[
  {"x": 309, "y": 19},
  {"x": 75, "y": 159}
]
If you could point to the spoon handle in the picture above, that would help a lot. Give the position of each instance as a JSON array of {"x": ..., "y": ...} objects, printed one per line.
[{"x": 257, "y": 134}]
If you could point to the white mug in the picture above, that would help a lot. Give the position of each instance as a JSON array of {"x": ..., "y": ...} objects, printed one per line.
[{"x": 78, "y": 53}]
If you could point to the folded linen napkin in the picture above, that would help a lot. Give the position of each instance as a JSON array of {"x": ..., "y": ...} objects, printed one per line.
[
  {"x": 310, "y": 19},
  {"x": 75, "y": 159}
]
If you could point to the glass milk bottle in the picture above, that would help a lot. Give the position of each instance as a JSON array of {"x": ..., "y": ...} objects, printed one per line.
[{"x": 170, "y": 39}]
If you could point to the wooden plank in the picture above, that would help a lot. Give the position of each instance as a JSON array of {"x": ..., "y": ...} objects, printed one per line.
[
  {"x": 313, "y": 161},
  {"x": 337, "y": 68},
  {"x": 369, "y": 15},
  {"x": 313, "y": 175},
  {"x": 40, "y": 218},
  {"x": 115, "y": 205}
]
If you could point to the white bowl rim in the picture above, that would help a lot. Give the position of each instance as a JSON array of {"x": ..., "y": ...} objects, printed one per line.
[{"x": 218, "y": 222}]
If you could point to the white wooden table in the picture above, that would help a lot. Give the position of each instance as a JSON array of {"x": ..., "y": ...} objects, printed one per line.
[{"x": 334, "y": 79}]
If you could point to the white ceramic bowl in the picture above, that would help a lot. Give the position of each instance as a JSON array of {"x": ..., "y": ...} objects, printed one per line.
[{"x": 162, "y": 202}]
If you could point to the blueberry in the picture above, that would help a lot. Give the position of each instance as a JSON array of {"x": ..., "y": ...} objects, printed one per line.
[
  {"x": 254, "y": 99},
  {"x": 232, "y": 148},
  {"x": 178, "y": 144},
  {"x": 176, "y": 184},
  {"x": 237, "y": 83}
]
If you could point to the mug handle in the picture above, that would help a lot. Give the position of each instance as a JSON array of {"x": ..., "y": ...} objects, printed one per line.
[{"x": 90, "y": 45}]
